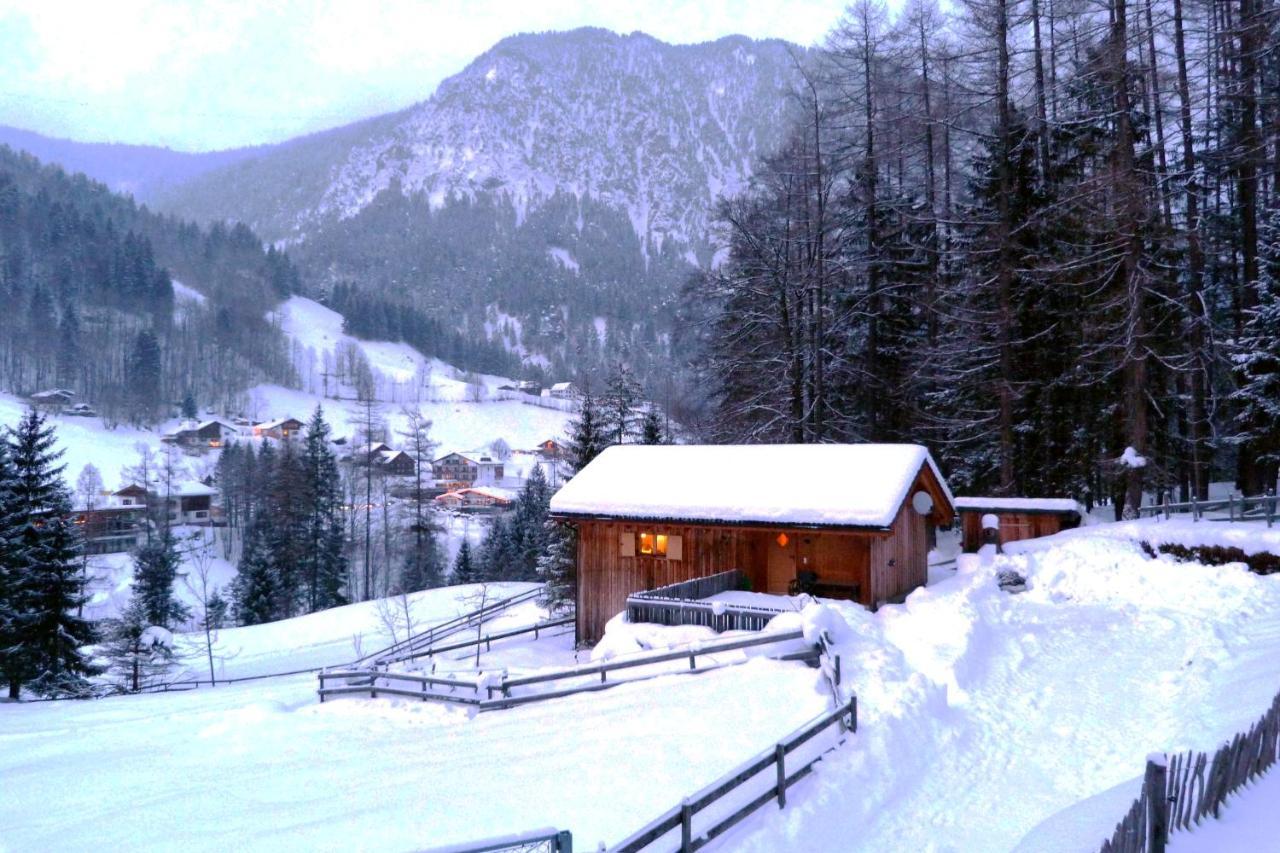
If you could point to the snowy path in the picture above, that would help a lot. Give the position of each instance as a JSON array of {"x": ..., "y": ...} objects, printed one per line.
[
  {"x": 265, "y": 767},
  {"x": 1032, "y": 703}
]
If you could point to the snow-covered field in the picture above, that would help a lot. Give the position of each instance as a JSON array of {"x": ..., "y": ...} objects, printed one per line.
[{"x": 986, "y": 721}]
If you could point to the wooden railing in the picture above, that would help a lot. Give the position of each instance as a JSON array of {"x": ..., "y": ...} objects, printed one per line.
[
  {"x": 683, "y": 604},
  {"x": 550, "y": 840},
  {"x": 414, "y": 646},
  {"x": 1180, "y": 792},
  {"x": 498, "y": 694},
  {"x": 1237, "y": 508},
  {"x": 705, "y": 815}
]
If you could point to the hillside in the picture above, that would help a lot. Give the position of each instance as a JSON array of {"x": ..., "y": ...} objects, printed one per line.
[{"x": 563, "y": 181}]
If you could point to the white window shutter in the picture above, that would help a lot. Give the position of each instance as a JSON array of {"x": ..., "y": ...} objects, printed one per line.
[
  {"x": 675, "y": 548},
  {"x": 626, "y": 544}
]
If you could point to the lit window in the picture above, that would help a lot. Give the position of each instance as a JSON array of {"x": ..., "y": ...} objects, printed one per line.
[{"x": 653, "y": 545}]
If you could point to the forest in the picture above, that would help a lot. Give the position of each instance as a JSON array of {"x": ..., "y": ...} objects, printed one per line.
[
  {"x": 87, "y": 303},
  {"x": 1041, "y": 236}
]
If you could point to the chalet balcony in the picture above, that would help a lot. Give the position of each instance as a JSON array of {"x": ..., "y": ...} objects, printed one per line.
[{"x": 722, "y": 602}]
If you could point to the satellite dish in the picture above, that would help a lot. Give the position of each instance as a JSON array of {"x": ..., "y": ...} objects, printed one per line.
[{"x": 922, "y": 502}]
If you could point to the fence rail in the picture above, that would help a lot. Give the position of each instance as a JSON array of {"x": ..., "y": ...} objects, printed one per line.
[
  {"x": 684, "y": 603},
  {"x": 682, "y": 818},
  {"x": 1179, "y": 792},
  {"x": 550, "y": 840},
  {"x": 414, "y": 646},
  {"x": 498, "y": 694},
  {"x": 1255, "y": 508}
]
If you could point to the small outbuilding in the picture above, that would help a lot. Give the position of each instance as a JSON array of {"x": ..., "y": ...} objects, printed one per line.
[
  {"x": 1015, "y": 518},
  {"x": 843, "y": 520}
]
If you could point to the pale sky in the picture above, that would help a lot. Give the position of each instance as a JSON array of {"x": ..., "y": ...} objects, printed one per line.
[{"x": 207, "y": 74}]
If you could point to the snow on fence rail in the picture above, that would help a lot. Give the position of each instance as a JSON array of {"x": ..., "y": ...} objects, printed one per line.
[
  {"x": 498, "y": 692},
  {"x": 1237, "y": 508},
  {"x": 682, "y": 604},
  {"x": 1178, "y": 793},
  {"x": 720, "y": 806},
  {"x": 550, "y": 840}
]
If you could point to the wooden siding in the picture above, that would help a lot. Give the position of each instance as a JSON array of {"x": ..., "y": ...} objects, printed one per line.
[
  {"x": 1014, "y": 526},
  {"x": 900, "y": 560},
  {"x": 886, "y": 565}
]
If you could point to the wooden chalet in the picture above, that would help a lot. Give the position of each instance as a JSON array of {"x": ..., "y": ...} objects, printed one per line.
[
  {"x": 551, "y": 449},
  {"x": 846, "y": 521},
  {"x": 205, "y": 434},
  {"x": 281, "y": 428},
  {"x": 395, "y": 463},
  {"x": 476, "y": 498},
  {"x": 1015, "y": 518}
]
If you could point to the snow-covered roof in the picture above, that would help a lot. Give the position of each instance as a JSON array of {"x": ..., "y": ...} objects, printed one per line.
[
  {"x": 975, "y": 504},
  {"x": 279, "y": 422},
  {"x": 562, "y": 386},
  {"x": 492, "y": 492},
  {"x": 846, "y": 485},
  {"x": 192, "y": 489}
]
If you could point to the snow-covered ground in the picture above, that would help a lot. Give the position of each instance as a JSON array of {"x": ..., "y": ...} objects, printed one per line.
[
  {"x": 263, "y": 766},
  {"x": 342, "y": 634},
  {"x": 987, "y": 721},
  {"x": 983, "y": 714}
]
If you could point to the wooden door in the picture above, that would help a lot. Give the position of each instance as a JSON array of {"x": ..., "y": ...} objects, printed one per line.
[{"x": 781, "y": 565}]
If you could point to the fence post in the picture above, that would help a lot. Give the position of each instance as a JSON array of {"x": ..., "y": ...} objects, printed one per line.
[
  {"x": 564, "y": 841},
  {"x": 1231, "y": 506},
  {"x": 780, "y": 754},
  {"x": 686, "y": 827},
  {"x": 1158, "y": 798},
  {"x": 837, "y": 670},
  {"x": 1195, "y": 509},
  {"x": 320, "y": 675},
  {"x": 1271, "y": 506}
]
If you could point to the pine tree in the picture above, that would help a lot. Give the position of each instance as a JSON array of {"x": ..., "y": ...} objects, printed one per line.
[
  {"x": 143, "y": 374},
  {"x": 189, "y": 409},
  {"x": 1257, "y": 361},
  {"x": 651, "y": 431},
  {"x": 217, "y": 611},
  {"x": 464, "y": 570},
  {"x": 155, "y": 567},
  {"x": 13, "y": 591},
  {"x": 50, "y": 632},
  {"x": 622, "y": 393},
  {"x": 255, "y": 590},
  {"x": 137, "y": 653},
  {"x": 586, "y": 435},
  {"x": 558, "y": 567}
]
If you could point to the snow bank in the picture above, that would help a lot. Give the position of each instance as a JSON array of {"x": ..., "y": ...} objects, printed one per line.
[{"x": 1252, "y": 537}]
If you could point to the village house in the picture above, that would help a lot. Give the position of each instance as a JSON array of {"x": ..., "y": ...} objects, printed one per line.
[
  {"x": 455, "y": 471},
  {"x": 477, "y": 498},
  {"x": 551, "y": 449},
  {"x": 211, "y": 434},
  {"x": 280, "y": 429},
  {"x": 52, "y": 400},
  {"x": 846, "y": 521},
  {"x": 395, "y": 463},
  {"x": 114, "y": 523},
  {"x": 564, "y": 391},
  {"x": 1013, "y": 519},
  {"x": 191, "y": 503}
]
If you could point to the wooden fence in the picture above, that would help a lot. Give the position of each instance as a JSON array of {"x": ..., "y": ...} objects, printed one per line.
[
  {"x": 549, "y": 840},
  {"x": 1259, "y": 508},
  {"x": 683, "y": 604},
  {"x": 415, "y": 645},
  {"x": 721, "y": 805},
  {"x": 499, "y": 694},
  {"x": 1179, "y": 793}
]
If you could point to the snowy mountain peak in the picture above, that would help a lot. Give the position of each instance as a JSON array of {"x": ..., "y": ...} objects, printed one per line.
[{"x": 654, "y": 129}]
